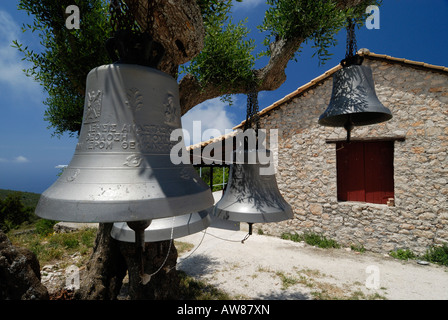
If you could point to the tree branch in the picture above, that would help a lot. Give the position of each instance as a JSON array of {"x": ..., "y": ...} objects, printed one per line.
[
  {"x": 176, "y": 25},
  {"x": 269, "y": 78}
]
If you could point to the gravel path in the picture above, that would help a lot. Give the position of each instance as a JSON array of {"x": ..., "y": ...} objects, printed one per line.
[{"x": 265, "y": 267}]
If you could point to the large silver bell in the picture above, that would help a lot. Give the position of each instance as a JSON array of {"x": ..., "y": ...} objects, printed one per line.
[
  {"x": 121, "y": 169},
  {"x": 165, "y": 228},
  {"x": 353, "y": 100},
  {"x": 252, "y": 193}
]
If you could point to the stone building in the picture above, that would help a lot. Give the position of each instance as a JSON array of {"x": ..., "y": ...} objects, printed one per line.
[{"x": 398, "y": 196}]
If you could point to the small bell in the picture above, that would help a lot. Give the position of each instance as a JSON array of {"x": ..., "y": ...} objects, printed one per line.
[
  {"x": 165, "y": 228},
  {"x": 252, "y": 193},
  {"x": 121, "y": 169},
  {"x": 353, "y": 100}
]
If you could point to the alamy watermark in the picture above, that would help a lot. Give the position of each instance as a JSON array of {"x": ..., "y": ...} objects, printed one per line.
[
  {"x": 231, "y": 150},
  {"x": 73, "y": 20},
  {"x": 373, "y": 278},
  {"x": 373, "y": 20},
  {"x": 72, "y": 278}
]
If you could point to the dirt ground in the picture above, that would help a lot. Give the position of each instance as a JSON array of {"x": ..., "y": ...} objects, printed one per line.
[{"x": 266, "y": 267}]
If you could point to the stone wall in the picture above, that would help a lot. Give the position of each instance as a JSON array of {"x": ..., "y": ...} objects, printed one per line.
[{"x": 418, "y": 99}]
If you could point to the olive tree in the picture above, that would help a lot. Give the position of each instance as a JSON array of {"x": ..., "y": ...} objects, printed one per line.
[{"x": 210, "y": 55}]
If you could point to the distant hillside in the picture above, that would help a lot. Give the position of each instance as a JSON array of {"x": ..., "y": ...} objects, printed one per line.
[{"x": 29, "y": 199}]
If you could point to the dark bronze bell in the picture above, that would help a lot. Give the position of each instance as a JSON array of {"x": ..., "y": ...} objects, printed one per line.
[
  {"x": 121, "y": 169},
  {"x": 165, "y": 228},
  {"x": 252, "y": 193},
  {"x": 353, "y": 100}
]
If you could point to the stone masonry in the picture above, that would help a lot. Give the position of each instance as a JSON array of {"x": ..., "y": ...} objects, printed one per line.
[{"x": 418, "y": 99}]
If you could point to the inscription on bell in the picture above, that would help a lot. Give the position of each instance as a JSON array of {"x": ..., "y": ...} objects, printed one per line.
[{"x": 111, "y": 136}]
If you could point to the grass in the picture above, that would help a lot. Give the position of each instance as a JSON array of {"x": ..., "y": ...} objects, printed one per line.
[
  {"x": 358, "y": 248},
  {"x": 192, "y": 289},
  {"x": 52, "y": 247},
  {"x": 287, "y": 281},
  {"x": 402, "y": 254},
  {"x": 436, "y": 254},
  {"x": 312, "y": 239},
  {"x": 320, "y": 288}
]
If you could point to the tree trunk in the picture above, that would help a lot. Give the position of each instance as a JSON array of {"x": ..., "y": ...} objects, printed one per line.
[
  {"x": 159, "y": 261},
  {"x": 105, "y": 270},
  {"x": 110, "y": 260}
]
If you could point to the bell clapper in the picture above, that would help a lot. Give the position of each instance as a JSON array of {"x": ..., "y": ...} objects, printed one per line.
[
  {"x": 139, "y": 229},
  {"x": 348, "y": 126},
  {"x": 249, "y": 233}
]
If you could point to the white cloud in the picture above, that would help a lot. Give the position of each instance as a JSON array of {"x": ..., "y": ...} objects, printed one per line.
[
  {"x": 21, "y": 159},
  {"x": 11, "y": 64},
  {"x": 214, "y": 120},
  {"x": 247, "y": 4},
  {"x": 18, "y": 159}
]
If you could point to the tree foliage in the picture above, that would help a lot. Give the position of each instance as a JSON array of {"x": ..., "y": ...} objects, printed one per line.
[
  {"x": 66, "y": 55},
  {"x": 224, "y": 66},
  {"x": 227, "y": 54},
  {"x": 220, "y": 177},
  {"x": 312, "y": 20},
  {"x": 13, "y": 212}
]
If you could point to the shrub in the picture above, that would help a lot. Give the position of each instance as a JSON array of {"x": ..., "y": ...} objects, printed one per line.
[
  {"x": 291, "y": 236},
  {"x": 358, "y": 248},
  {"x": 44, "y": 226},
  {"x": 437, "y": 255},
  {"x": 402, "y": 254},
  {"x": 320, "y": 241},
  {"x": 12, "y": 212}
]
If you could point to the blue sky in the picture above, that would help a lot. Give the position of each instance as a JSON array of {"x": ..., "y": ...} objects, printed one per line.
[{"x": 411, "y": 29}]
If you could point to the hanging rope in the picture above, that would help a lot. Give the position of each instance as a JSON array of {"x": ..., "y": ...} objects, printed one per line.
[
  {"x": 202, "y": 239},
  {"x": 229, "y": 240},
  {"x": 145, "y": 278}
]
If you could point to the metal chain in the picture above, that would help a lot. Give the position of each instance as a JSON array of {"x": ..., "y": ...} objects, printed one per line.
[
  {"x": 351, "y": 47},
  {"x": 131, "y": 42},
  {"x": 121, "y": 15},
  {"x": 252, "y": 117}
]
